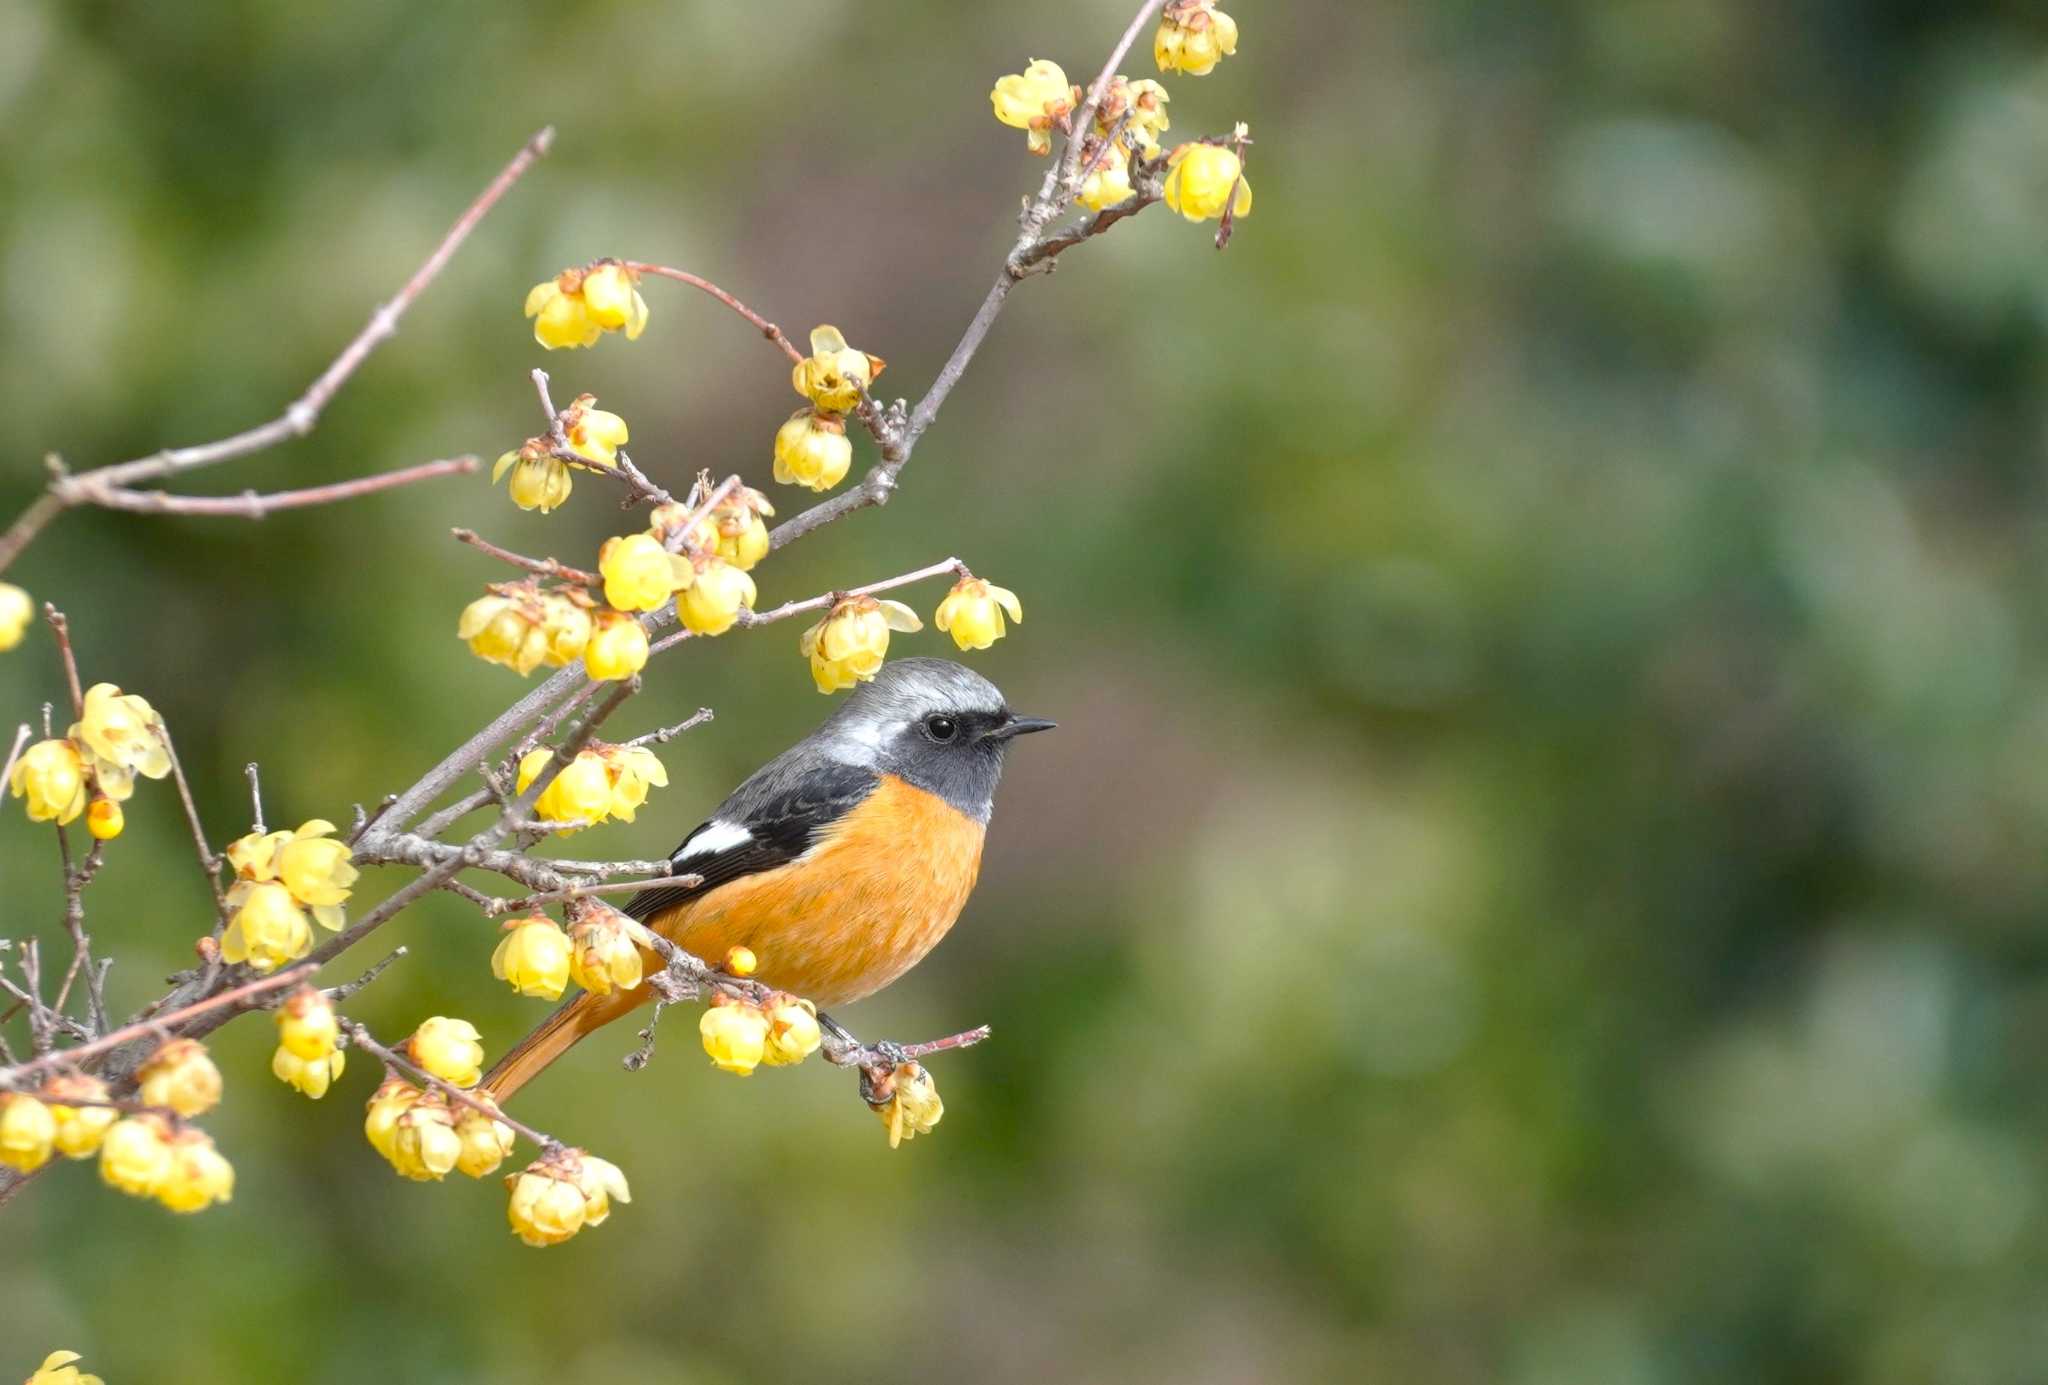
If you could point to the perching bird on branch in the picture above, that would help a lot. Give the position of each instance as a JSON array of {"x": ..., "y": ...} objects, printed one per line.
[{"x": 840, "y": 863}]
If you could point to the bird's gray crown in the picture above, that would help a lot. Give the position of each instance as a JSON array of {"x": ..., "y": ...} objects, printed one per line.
[{"x": 883, "y": 727}]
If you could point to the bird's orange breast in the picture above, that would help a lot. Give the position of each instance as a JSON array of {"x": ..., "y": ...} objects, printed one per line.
[{"x": 870, "y": 898}]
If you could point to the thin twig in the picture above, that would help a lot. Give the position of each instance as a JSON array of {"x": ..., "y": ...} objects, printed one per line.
[
  {"x": 544, "y": 567},
  {"x": 669, "y": 733},
  {"x": 349, "y": 988},
  {"x": 397, "y": 1061},
  {"x": 254, "y": 772},
  {"x": 251, "y": 504},
  {"x": 71, "y": 1057},
  {"x": 749, "y": 619},
  {"x": 683, "y": 276},
  {"x": 60, "y": 628}
]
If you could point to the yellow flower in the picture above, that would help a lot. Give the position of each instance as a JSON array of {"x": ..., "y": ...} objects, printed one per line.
[
  {"x": 449, "y": 1049},
  {"x": 135, "y": 1156},
  {"x": 390, "y": 1101},
  {"x": 424, "y": 1145},
  {"x": 834, "y": 374},
  {"x": 16, "y": 611},
  {"x": 534, "y": 957},
  {"x": 605, "y": 953},
  {"x": 912, "y": 1106},
  {"x": 639, "y": 574},
  {"x": 540, "y": 480},
  {"x": 578, "y": 306},
  {"x": 51, "y": 776},
  {"x": 592, "y": 432},
  {"x": 972, "y": 612},
  {"x": 306, "y": 1024},
  {"x": 633, "y": 770},
  {"x": 104, "y": 819},
  {"x": 600, "y": 1181},
  {"x": 1109, "y": 178},
  {"x": 617, "y": 647},
  {"x": 198, "y": 1176},
  {"x": 28, "y": 1132},
  {"x": 521, "y": 627},
  {"x": 546, "y": 1207},
  {"x": 793, "y": 1033},
  {"x": 1037, "y": 100},
  {"x": 485, "y": 1143},
  {"x": 124, "y": 738},
  {"x": 812, "y": 450},
  {"x": 712, "y": 604},
  {"x": 664, "y": 522},
  {"x": 1200, "y": 179},
  {"x": 612, "y": 300},
  {"x": 1193, "y": 37},
  {"x": 313, "y": 1076},
  {"x": 79, "y": 1128},
  {"x": 735, "y": 1034},
  {"x": 268, "y": 929},
  {"x": 315, "y": 867},
  {"x": 180, "y": 1075},
  {"x": 58, "y": 1370},
  {"x": 581, "y": 793},
  {"x": 740, "y": 961},
  {"x": 742, "y": 532},
  {"x": 849, "y": 644},
  {"x": 1145, "y": 100}
]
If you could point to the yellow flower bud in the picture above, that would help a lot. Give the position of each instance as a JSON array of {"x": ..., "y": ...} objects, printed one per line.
[
  {"x": 664, "y": 522},
  {"x": 604, "y": 953},
  {"x": 850, "y": 643},
  {"x": 600, "y": 1181},
  {"x": 104, "y": 819},
  {"x": 390, "y": 1101},
  {"x": 424, "y": 1145},
  {"x": 28, "y": 1132},
  {"x": 181, "y": 1076},
  {"x": 581, "y": 793},
  {"x": 972, "y": 612},
  {"x": 612, "y": 300},
  {"x": 639, "y": 574},
  {"x": 16, "y": 611},
  {"x": 268, "y": 929},
  {"x": 1037, "y": 101},
  {"x": 565, "y": 624},
  {"x": 1109, "y": 178},
  {"x": 740, "y": 961},
  {"x": 80, "y": 1129},
  {"x": 51, "y": 776},
  {"x": 633, "y": 770},
  {"x": 120, "y": 731},
  {"x": 546, "y": 1207},
  {"x": 314, "y": 866},
  {"x": 913, "y": 1106},
  {"x": 58, "y": 1370},
  {"x": 197, "y": 1175},
  {"x": 135, "y": 1156},
  {"x": 306, "y": 1024},
  {"x": 812, "y": 450},
  {"x": 485, "y": 1143},
  {"x": 1145, "y": 102},
  {"x": 592, "y": 432},
  {"x": 834, "y": 374},
  {"x": 617, "y": 647},
  {"x": 1193, "y": 36},
  {"x": 540, "y": 480},
  {"x": 522, "y": 628},
  {"x": 534, "y": 957},
  {"x": 793, "y": 1033},
  {"x": 449, "y": 1049},
  {"x": 712, "y": 604},
  {"x": 254, "y": 856},
  {"x": 1200, "y": 179},
  {"x": 735, "y": 1034},
  {"x": 312, "y": 1076}
]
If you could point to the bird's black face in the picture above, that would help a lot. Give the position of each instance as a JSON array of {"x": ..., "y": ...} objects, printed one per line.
[{"x": 937, "y": 725}]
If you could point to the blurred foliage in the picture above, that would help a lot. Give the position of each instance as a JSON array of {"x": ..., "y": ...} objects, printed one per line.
[{"x": 1539, "y": 878}]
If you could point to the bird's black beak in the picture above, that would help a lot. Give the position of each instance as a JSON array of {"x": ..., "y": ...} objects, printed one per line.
[{"x": 1020, "y": 726}]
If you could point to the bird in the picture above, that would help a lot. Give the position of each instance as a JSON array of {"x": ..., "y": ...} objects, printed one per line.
[{"x": 840, "y": 863}]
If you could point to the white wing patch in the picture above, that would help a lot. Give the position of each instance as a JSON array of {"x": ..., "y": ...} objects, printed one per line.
[{"x": 716, "y": 837}]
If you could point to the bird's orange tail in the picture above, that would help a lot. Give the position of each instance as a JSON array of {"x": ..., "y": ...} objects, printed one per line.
[{"x": 556, "y": 1035}]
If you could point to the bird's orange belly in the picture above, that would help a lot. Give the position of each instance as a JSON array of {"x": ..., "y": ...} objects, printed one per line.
[{"x": 863, "y": 906}]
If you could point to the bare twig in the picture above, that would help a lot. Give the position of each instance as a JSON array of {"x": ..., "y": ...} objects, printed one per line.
[
  {"x": 60, "y": 628},
  {"x": 669, "y": 733},
  {"x": 253, "y": 505},
  {"x": 683, "y": 276},
  {"x": 160, "y": 1024},
  {"x": 544, "y": 567},
  {"x": 398, "y": 1062},
  {"x": 254, "y": 772},
  {"x": 349, "y": 988}
]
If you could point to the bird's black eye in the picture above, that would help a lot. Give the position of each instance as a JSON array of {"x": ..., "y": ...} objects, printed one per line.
[{"x": 941, "y": 727}]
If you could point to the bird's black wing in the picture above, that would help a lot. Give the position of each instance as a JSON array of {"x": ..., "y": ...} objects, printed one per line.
[{"x": 769, "y": 821}]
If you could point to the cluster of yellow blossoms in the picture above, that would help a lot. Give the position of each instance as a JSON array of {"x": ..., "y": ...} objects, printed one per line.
[
  {"x": 522, "y": 627},
  {"x": 578, "y": 306},
  {"x": 603, "y": 781},
  {"x": 811, "y": 449},
  {"x": 1193, "y": 36},
  {"x": 58, "y": 1370},
  {"x": 600, "y": 953},
  {"x": 280, "y": 878},
  {"x": 147, "y": 1154},
  {"x": 562, "y": 1192},
  {"x": 308, "y": 1058},
  {"x": 116, "y": 737},
  {"x": 850, "y": 643},
  {"x": 424, "y": 1136},
  {"x": 908, "y": 1102},
  {"x": 741, "y": 1035},
  {"x": 540, "y": 478}
]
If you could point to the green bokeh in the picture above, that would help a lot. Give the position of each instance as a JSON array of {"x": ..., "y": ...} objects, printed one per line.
[{"x": 1539, "y": 879}]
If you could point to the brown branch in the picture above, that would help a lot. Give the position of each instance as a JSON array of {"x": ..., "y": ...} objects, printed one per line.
[
  {"x": 60, "y": 629},
  {"x": 300, "y": 416},
  {"x": 254, "y": 505},
  {"x": 749, "y": 619},
  {"x": 669, "y": 733},
  {"x": 398, "y": 1062},
  {"x": 159, "y": 1024},
  {"x": 544, "y": 567},
  {"x": 639, "y": 488},
  {"x": 683, "y": 276}
]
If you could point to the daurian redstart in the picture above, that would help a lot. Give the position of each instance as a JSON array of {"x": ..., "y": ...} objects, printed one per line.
[{"x": 840, "y": 863}]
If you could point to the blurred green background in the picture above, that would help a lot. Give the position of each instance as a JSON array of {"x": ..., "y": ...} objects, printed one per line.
[{"x": 1540, "y": 877}]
